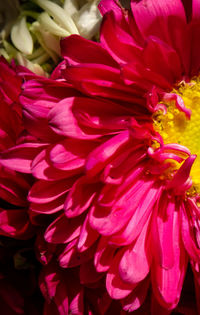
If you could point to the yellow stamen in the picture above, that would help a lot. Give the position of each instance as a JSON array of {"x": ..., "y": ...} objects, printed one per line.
[{"x": 175, "y": 127}]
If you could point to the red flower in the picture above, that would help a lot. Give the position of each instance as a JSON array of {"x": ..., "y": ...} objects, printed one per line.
[{"x": 113, "y": 158}]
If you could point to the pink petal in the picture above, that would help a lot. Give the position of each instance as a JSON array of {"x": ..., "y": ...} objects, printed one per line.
[
  {"x": 63, "y": 230},
  {"x": 43, "y": 169},
  {"x": 167, "y": 61},
  {"x": 98, "y": 158},
  {"x": 70, "y": 154},
  {"x": 134, "y": 300},
  {"x": 140, "y": 216},
  {"x": 88, "y": 52},
  {"x": 121, "y": 44},
  {"x": 63, "y": 121},
  {"x": 19, "y": 158},
  {"x": 110, "y": 220},
  {"x": 167, "y": 283},
  {"x": 87, "y": 236},
  {"x": 46, "y": 191},
  {"x": 105, "y": 83},
  {"x": 50, "y": 207},
  {"x": 160, "y": 20},
  {"x": 54, "y": 288},
  {"x": 80, "y": 197},
  {"x": 12, "y": 191},
  {"x": 188, "y": 232},
  {"x": 162, "y": 232},
  {"x": 15, "y": 223},
  {"x": 134, "y": 265},
  {"x": 104, "y": 255},
  {"x": 151, "y": 17},
  {"x": 116, "y": 288},
  {"x": 107, "y": 5},
  {"x": 70, "y": 257}
]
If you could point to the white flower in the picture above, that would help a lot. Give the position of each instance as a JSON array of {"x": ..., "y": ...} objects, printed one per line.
[
  {"x": 88, "y": 19},
  {"x": 21, "y": 36},
  {"x": 35, "y": 36}
]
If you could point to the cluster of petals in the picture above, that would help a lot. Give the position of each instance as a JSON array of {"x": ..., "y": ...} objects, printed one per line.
[
  {"x": 112, "y": 216},
  {"x": 14, "y": 187}
]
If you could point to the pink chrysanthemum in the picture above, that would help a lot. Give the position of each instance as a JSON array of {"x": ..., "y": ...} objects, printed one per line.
[
  {"x": 117, "y": 159},
  {"x": 14, "y": 220}
]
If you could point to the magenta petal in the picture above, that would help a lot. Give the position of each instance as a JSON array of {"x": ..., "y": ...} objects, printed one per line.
[
  {"x": 49, "y": 207},
  {"x": 140, "y": 217},
  {"x": 135, "y": 262},
  {"x": 19, "y": 158},
  {"x": 162, "y": 59},
  {"x": 104, "y": 255},
  {"x": 182, "y": 175},
  {"x": 63, "y": 121},
  {"x": 43, "y": 169},
  {"x": 121, "y": 45},
  {"x": 76, "y": 298},
  {"x": 189, "y": 231},
  {"x": 167, "y": 283},
  {"x": 134, "y": 300},
  {"x": 13, "y": 189},
  {"x": 63, "y": 230},
  {"x": 115, "y": 286},
  {"x": 80, "y": 197},
  {"x": 88, "y": 52},
  {"x": 87, "y": 236},
  {"x": 46, "y": 191},
  {"x": 69, "y": 154},
  {"x": 107, "y": 5},
  {"x": 107, "y": 220},
  {"x": 162, "y": 232},
  {"x": 70, "y": 256},
  {"x": 15, "y": 223},
  {"x": 104, "y": 153},
  {"x": 151, "y": 14},
  {"x": 54, "y": 288}
]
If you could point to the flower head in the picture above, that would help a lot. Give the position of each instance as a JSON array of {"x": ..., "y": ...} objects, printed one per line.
[{"x": 115, "y": 153}]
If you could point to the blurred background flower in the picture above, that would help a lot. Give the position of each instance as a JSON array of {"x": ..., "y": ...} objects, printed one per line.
[{"x": 31, "y": 30}]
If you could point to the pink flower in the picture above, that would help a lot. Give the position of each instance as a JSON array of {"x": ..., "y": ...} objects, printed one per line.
[
  {"x": 14, "y": 220},
  {"x": 116, "y": 153}
]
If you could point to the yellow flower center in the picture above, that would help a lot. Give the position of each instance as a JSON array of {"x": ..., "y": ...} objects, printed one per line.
[{"x": 175, "y": 127}]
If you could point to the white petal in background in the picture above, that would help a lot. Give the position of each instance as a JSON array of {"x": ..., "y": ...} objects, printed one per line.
[
  {"x": 88, "y": 19},
  {"x": 21, "y": 36}
]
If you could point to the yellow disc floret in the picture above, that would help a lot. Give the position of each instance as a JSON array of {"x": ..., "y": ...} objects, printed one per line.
[{"x": 175, "y": 127}]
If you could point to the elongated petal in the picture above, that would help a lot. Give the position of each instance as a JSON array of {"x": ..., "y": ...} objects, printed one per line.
[
  {"x": 135, "y": 263},
  {"x": 20, "y": 158},
  {"x": 104, "y": 255},
  {"x": 134, "y": 300},
  {"x": 63, "y": 230},
  {"x": 115, "y": 286},
  {"x": 44, "y": 191},
  {"x": 167, "y": 283},
  {"x": 21, "y": 36}
]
